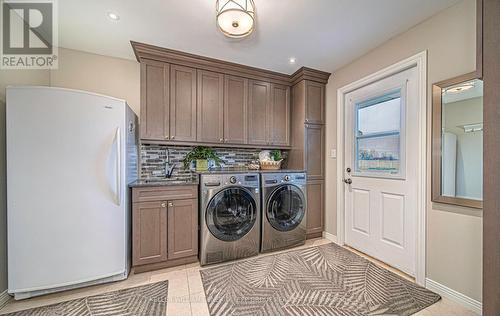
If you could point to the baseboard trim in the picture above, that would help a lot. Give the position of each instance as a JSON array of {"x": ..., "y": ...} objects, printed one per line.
[
  {"x": 464, "y": 300},
  {"x": 330, "y": 237},
  {"x": 4, "y": 298}
]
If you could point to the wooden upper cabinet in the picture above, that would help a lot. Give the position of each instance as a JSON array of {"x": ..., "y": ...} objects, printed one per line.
[
  {"x": 149, "y": 232},
  {"x": 259, "y": 96},
  {"x": 182, "y": 229},
  {"x": 315, "y": 102},
  {"x": 315, "y": 151},
  {"x": 279, "y": 128},
  {"x": 195, "y": 106},
  {"x": 182, "y": 103},
  {"x": 235, "y": 110},
  {"x": 154, "y": 100},
  {"x": 210, "y": 107}
]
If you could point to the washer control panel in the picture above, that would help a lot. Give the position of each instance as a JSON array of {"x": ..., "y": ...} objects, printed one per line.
[{"x": 222, "y": 180}]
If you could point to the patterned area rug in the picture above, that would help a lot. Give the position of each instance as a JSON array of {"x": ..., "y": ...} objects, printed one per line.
[
  {"x": 324, "y": 280},
  {"x": 144, "y": 300}
]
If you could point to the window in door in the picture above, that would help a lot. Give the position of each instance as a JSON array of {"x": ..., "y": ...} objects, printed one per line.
[{"x": 378, "y": 136}]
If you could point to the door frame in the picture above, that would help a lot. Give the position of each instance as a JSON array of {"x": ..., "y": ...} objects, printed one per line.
[{"x": 420, "y": 62}]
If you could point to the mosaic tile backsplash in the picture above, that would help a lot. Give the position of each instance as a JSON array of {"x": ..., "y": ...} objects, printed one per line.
[{"x": 154, "y": 159}]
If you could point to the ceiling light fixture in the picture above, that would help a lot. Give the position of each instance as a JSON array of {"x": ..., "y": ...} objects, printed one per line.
[
  {"x": 460, "y": 88},
  {"x": 113, "y": 16},
  {"x": 235, "y": 18},
  {"x": 292, "y": 60}
]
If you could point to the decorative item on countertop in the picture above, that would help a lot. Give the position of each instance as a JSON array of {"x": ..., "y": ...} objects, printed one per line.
[
  {"x": 270, "y": 160},
  {"x": 254, "y": 165},
  {"x": 201, "y": 155}
]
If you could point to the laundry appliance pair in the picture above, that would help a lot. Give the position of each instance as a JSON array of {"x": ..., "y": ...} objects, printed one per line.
[{"x": 244, "y": 213}]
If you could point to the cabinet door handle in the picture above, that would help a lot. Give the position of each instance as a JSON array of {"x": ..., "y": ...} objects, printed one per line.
[
  {"x": 163, "y": 205},
  {"x": 166, "y": 137},
  {"x": 172, "y": 137},
  {"x": 170, "y": 204},
  {"x": 221, "y": 140}
]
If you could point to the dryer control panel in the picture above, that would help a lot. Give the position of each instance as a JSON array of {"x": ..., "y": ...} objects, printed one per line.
[{"x": 274, "y": 179}]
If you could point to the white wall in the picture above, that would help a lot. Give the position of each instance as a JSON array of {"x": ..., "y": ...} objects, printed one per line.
[
  {"x": 115, "y": 77},
  {"x": 454, "y": 234}
]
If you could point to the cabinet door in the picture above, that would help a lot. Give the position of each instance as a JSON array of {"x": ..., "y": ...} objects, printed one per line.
[
  {"x": 280, "y": 115},
  {"x": 154, "y": 100},
  {"x": 182, "y": 228},
  {"x": 235, "y": 110},
  {"x": 258, "y": 112},
  {"x": 315, "y": 102},
  {"x": 149, "y": 233},
  {"x": 315, "y": 208},
  {"x": 314, "y": 151},
  {"x": 210, "y": 107},
  {"x": 182, "y": 103}
]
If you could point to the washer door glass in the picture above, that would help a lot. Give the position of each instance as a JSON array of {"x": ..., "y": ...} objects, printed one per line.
[
  {"x": 286, "y": 208},
  {"x": 231, "y": 214}
]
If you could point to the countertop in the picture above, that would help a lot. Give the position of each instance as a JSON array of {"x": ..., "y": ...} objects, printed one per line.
[
  {"x": 195, "y": 179},
  {"x": 246, "y": 170},
  {"x": 158, "y": 182}
]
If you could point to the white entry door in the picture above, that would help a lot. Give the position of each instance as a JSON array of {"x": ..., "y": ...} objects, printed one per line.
[{"x": 380, "y": 176}]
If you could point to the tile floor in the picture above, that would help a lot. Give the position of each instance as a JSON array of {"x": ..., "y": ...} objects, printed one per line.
[{"x": 187, "y": 297}]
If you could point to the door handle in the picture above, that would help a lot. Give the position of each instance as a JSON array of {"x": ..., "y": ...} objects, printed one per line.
[
  {"x": 348, "y": 181},
  {"x": 118, "y": 166}
]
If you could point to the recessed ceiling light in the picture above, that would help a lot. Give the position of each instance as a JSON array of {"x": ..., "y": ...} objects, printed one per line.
[
  {"x": 113, "y": 16},
  {"x": 292, "y": 60}
]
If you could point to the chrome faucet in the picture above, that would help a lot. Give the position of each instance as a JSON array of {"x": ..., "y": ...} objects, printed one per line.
[{"x": 169, "y": 168}]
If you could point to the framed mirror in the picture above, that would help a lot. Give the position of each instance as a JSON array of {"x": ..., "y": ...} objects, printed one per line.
[{"x": 457, "y": 141}]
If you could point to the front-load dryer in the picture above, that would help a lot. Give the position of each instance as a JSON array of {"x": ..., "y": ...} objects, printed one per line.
[
  {"x": 229, "y": 216},
  {"x": 284, "y": 210}
]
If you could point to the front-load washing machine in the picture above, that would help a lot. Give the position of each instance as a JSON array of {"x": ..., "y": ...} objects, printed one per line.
[
  {"x": 284, "y": 208},
  {"x": 229, "y": 216}
]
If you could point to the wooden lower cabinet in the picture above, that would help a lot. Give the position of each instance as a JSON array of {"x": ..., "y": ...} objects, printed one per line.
[
  {"x": 182, "y": 229},
  {"x": 315, "y": 208},
  {"x": 165, "y": 231},
  {"x": 149, "y": 232}
]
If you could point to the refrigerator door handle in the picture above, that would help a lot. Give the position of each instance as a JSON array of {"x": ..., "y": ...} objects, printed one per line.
[{"x": 118, "y": 167}]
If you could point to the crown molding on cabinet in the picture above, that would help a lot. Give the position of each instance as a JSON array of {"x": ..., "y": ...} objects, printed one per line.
[
  {"x": 150, "y": 52},
  {"x": 309, "y": 74}
]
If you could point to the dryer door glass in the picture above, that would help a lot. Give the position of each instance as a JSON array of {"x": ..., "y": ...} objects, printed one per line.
[
  {"x": 286, "y": 208},
  {"x": 231, "y": 214}
]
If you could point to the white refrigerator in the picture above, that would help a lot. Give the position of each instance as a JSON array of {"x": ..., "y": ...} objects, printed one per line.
[{"x": 70, "y": 157}]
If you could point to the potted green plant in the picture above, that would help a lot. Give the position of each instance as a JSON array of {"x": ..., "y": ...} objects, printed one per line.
[
  {"x": 276, "y": 155},
  {"x": 201, "y": 155}
]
